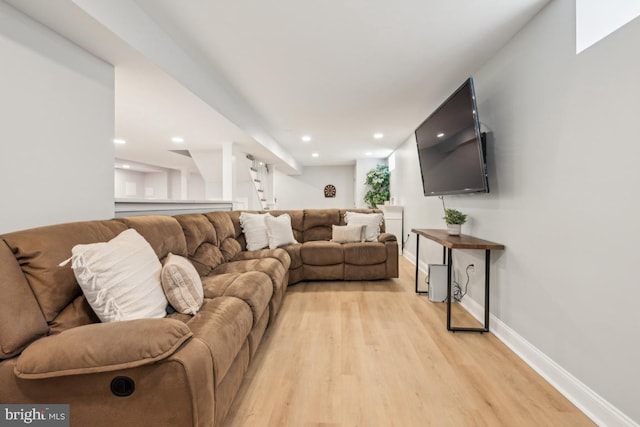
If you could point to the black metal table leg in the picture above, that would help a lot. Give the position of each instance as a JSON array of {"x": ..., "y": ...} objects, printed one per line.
[
  {"x": 449, "y": 266},
  {"x": 487, "y": 263},
  {"x": 417, "y": 260}
]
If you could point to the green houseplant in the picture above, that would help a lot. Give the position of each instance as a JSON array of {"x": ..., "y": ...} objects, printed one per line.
[
  {"x": 454, "y": 220},
  {"x": 378, "y": 182}
]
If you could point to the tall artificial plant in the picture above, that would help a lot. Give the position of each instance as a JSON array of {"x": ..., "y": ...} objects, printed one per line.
[{"x": 378, "y": 182}]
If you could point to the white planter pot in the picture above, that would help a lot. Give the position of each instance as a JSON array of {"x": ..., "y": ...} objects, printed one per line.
[{"x": 454, "y": 229}]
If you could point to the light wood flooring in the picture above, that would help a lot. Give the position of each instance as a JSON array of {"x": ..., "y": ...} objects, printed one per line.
[{"x": 376, "y": 354}]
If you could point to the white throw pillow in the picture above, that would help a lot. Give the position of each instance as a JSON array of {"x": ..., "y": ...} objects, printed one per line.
[
  {"x": 182, "y": 284},
  {"x": 347, "y": 233},
  {"x": 254, "y": 228},
  {"x": 120, "y": 278},
  {"x": 279, "y": 231},
  {"x": 371, "y": 221}
]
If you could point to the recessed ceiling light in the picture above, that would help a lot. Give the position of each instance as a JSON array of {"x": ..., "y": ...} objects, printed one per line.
[
  {"x": 126, "y": 166},
  {"x": 315, "y": 155},
  {"x": 177, "y": 140},
  {"x": 440, "y": 135},
  {"x": 378, "y": 135},
  {"x": 306, "y": 138},
  {"x": 119, "y": 141},
  {"x": 368, "y": 153}
]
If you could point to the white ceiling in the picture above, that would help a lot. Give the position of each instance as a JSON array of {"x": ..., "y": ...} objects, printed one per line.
[{"x": 338, "y": 70}]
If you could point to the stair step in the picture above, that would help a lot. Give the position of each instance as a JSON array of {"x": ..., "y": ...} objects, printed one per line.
[
  {"x": 257, "y": 180},
  {"x": 254, "y": 169},
  {"x": 260, "y": 191},
  {"x": 263, "y": 200}
]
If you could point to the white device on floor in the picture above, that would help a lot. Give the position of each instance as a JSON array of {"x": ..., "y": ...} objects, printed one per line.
[{"x": 437, "y": 282}]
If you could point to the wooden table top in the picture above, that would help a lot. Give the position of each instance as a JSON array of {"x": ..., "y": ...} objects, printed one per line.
[{"x": 462, "y": 241}]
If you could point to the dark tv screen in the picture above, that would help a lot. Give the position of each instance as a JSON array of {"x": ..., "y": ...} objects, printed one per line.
[{"x": 450, "y": 147}]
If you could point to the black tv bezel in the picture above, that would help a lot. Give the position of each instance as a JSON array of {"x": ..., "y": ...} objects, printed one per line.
[{"x": 481, "y": 144}]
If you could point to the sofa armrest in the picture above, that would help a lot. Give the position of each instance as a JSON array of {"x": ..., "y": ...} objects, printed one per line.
[
  {"x": 387, "y": 237},
  {"x": 102, "y": 347}
]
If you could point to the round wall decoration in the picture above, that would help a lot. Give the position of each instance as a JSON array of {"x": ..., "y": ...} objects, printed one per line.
[{"x": 329, "y": 191}]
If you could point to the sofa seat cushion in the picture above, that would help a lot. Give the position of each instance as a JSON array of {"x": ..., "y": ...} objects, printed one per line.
[
  {"x": 270, "y": 266},
  {"x": 322, "y": 253},
  {"x": 223, "y": 325},
  {"x": 367, "y": 253},
  {"x": 294, "y": 255},
  {"x": 254, "y": 288},
  {"x": 102, "y": 347},
  {"x": 280, "y": 254}
]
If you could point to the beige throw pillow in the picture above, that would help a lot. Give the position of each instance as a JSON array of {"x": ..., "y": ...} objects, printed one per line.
[
  {"x": 182, "y": 285},
  {"x": 254, "y": 227},
  {"x": 371, "y": 221},
  {"x": 120, "y": 278},
  {"x": 347, "y": 233},
  {"x": 279, "y": 231}
]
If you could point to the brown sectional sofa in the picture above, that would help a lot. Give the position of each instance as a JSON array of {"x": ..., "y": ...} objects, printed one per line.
[{"x": 181, "y": 370}]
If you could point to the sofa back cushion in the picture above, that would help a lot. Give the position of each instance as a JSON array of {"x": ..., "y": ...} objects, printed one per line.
[
  {"x": 78, "y": 313},
  {"x": 21, "y": 320},
  {"x": 318, "y": 224},
  {"x": 197, "y": 230},
  {"x": 163, "y": 233},
  {"x": 40, "y": 250},
  {"x": 226, "y": 232},
  {"x": 202, "y": 242}
]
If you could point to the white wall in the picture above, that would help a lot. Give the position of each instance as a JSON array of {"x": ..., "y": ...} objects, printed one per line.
[
  {"x": 125, "y": 181},
  {"x": 150, "y": 185},
  {"x": 156, "y": 185},
  {"x": 175, "y": 185},
  {"x": 195, "y": 187},
  {"x": 57, "y": 109},
  {"x": 306, "y": 191},
  {"x": 563, "y": 169}
]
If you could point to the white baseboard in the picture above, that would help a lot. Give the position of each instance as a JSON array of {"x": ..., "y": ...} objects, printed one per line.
[{"x": 592, "y": 404}]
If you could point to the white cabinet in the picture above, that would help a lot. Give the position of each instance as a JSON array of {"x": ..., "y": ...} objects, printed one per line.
[{"x": 393, "y": 216}]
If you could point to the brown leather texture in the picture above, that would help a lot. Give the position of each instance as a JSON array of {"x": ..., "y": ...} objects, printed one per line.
[
  {"x": 89, "y": 349},
  {"x": 163, "y": 233},
  {"x": 322, "y": 253},
  {"x": 365, "y": 253},
  {"x": 78, "y": 313},
  {"x": 21, "y": 320},
  {"x": 40, "y": 250},
  {"x": 188, "y": 369},
  {"x": 223, "y": 324},
  {"x": 197, "y": 230}
]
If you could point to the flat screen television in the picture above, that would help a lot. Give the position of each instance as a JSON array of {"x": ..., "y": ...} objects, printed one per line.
[{"x": 451, "y": 148}]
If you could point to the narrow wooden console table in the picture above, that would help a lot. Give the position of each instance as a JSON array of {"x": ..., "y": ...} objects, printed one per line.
[{"x": 449, "y": 243}]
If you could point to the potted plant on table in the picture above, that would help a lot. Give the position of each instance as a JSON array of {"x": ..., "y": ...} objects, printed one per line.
[{"x": 454, "y": 220}]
